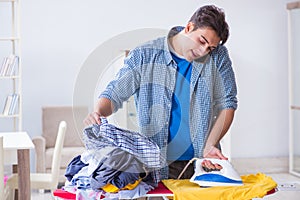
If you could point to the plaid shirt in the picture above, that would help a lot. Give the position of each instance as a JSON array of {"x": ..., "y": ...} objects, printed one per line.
[
  {"x": 149, "y": 73},
  {"x": 107, "y": 135}
]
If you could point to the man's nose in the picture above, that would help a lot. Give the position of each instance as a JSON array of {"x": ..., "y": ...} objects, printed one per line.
[
  {"x": 204, "y": 47},
  {"x": 198, "y": 51}
]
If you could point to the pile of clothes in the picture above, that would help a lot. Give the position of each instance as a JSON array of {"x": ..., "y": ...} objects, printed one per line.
[{"x": 117, "y": 164}]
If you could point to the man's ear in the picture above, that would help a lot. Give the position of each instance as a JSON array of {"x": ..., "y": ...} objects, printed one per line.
[{"x": 189, "y": 27}]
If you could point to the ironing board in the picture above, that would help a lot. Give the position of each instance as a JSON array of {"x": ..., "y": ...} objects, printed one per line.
[{"x": 160, "y": 191}]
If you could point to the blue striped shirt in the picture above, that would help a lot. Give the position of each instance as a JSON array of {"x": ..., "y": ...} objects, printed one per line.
[
  {"x": 107, "y": 135},
  {"x": 149, "y": 73}
]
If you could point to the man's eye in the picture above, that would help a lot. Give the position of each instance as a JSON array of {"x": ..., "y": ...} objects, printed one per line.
[
  {"x": 211, "y": 48},
  {"x": 202, "y": 42}
]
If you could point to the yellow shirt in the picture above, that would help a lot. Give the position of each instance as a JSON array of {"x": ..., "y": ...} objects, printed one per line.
[
  {"x": 254, "y": 186},
  {"x": 113, "y": 189}
]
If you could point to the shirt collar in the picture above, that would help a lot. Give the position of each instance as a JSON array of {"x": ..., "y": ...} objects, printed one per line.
[{"x": 175, "y": 30}]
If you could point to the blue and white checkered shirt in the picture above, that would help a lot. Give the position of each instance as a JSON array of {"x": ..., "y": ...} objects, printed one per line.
[
  {"x": 107, "y": 135},
  {"x": 149, "y": 73}
]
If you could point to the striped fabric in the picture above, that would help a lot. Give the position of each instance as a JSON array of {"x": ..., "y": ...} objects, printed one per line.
[{"x": 105, "y": 134}]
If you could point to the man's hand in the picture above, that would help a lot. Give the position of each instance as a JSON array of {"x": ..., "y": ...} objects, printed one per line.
[
  {"x": 208, "y": 166},
  {"x": 92, "y": 118},
  {"x": 213, "y": 152},
  {"x": 103, "y": 108}
]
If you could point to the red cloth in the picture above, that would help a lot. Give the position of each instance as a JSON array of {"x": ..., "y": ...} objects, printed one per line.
[
  {"x": 64, "y": 194},
  {"x": 160, "y": 189}
]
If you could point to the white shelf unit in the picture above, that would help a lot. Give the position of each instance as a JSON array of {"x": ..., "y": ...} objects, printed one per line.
[
  {"x": 294, "y": 86},
  {"x": 10, "y": 43}
]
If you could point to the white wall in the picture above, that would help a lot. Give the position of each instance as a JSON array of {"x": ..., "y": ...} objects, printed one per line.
[{"x": 57, "y": 37}]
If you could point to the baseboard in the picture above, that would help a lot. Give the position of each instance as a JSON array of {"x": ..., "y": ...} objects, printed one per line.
[{"x": 263, "y": 165}]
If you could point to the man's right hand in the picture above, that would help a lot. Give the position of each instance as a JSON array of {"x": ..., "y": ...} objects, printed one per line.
[
  {"x": 103, "y": 108},
  {"x": 92, "y": 118}
]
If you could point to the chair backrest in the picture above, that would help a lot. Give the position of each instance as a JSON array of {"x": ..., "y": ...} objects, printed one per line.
[
  {"x": 72, "y": 115},
  {"x": 57, "y": 151},
  {"x": 1, "y": 169}
]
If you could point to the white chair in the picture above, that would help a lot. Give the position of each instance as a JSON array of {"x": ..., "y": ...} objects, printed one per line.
[
  {"x": 47, "y": 181},
  {"x": 73, "y": 146}
]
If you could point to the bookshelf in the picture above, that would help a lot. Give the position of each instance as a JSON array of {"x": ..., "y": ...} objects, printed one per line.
[{"x": 10, "y": 67}]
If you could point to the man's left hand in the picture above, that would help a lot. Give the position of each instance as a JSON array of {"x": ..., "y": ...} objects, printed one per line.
[{"x": 213, "y": 152}]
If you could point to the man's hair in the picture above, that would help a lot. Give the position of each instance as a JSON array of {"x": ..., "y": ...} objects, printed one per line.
[{"x": 213, "y": 17}]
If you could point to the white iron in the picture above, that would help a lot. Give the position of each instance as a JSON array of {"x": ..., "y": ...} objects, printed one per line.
[{"x": 227, "y": 176}]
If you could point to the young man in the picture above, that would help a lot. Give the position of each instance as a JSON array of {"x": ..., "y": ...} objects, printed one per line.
[{"x": 184, "y": 89}]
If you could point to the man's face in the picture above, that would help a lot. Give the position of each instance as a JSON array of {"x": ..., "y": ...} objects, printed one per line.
[{"x": 199, "y": 42}]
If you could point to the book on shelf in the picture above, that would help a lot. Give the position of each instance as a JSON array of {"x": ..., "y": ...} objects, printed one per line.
[
  {"x": 3, "y": 67},
  {"x": 7, "y": 104},
  {"x": 9, "y": 65},
  {"x": 13, "y": 105},
  {"x": 10, "y": 104}
]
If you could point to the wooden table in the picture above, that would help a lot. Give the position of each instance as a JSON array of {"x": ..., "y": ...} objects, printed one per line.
[{"x": 17, "y": 147}]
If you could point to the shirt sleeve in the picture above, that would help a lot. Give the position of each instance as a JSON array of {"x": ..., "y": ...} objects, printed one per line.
[
  {"x": 126, "y": 81},
  {"x": 225, "y": 90}
]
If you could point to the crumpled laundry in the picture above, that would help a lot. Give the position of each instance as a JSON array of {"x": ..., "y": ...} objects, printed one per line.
[{"x": 116, "y": 162}]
